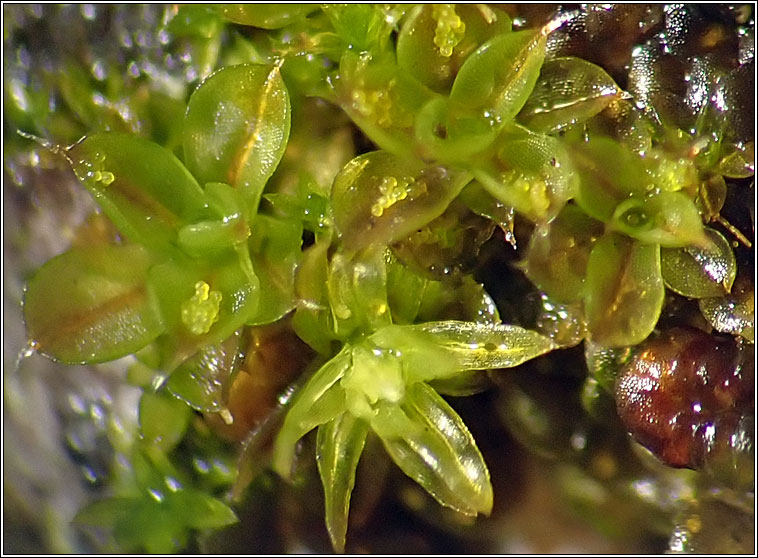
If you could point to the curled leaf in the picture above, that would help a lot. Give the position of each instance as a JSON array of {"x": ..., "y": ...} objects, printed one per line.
[
  {"x": 428, "y": 440},
  {"x": 339, "y": 446},
  {"x": 236, "y": 128},
  {"x": 92, "y": 305},
  {"x": 700, "y": 272},
  {"x": 624, "y": 293}
]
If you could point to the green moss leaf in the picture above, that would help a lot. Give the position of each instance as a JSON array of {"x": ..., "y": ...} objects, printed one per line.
[
  {"x": 431, "y": 444},
  {"x": 667, "y": 218},
  {"x": 163, "y": 419},
  {"x": 624, "y": 291},
  {"x": 319, "y": 401},
  {"x": 435, "y": 350},
  {"x": 236, "y": 128},
  {"x": 379, "y": 198},
  {"x": 142, "y": 187},
  {"x": 569, "y": 91},
  {"x": 275, "y": 252},
  {"x": 92, "y": 305},
  {"x": 202, "y": 381},
  {"x": 531, "y": 173},
  {"x": 202, "y": 302},
  {"x": 700, "y": 272},
  {"x": 265, "y": 16},
  {"x": 339, "y": 446},
  {"x": 501, "y": 74},
  {"x": 558, "y": 252},
  {"x": 435, "y": 40}
]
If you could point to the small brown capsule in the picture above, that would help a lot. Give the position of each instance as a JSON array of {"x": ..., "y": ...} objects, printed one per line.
[{"x": 684, "y": 390}]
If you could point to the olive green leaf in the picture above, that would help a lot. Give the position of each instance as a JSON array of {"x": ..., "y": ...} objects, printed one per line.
[
  {"x": 436, "y": 39},
  {"x": 163, "y": 419},
  {"x": 92, "y": 305},
  {"x": 700, "y": 272},
  {"x": 569, "y": 91},
  {"x": 321, "y": 400},
  {"x": 265, "y": 16},
  {"x": 624, "y": 291},
  {"x": 558, "y": 252},
  {"x": 236, "y": 128},
  {"x": 428, "y": 440},
  {"x": 436, "y": 350},
  {"x": 605, "y": 363},
  {"x": 198, "y": 510},
  {"x": 501, "y": 74},
  {"x": 142, "y": 187},
  {"x": 733, "y": 313},
  {"x": 378, "y": 198},
  {"x": 339, "y": 445}
]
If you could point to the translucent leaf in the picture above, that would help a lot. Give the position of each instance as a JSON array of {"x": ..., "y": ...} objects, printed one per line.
[
  {"x": 558, "y": 252},
  {"x": 381, "y": 99},
  {"x": 405, "y": 289},
  {"x": 339, "y": 446},
  {"x": 319, "y": 401},
  {"x": 265, "y": 16},
  {"x": 312, "y": 320},
  {"x": 429, "y": 442},
  {"x": 605, "y": 364},
  {"x": 602, "y": 186},
  {"x": 531, "y": 173},
  {"x": 358, "y": 291},
  {"x": 435, "y": 350},
  {"x": 435, "y": 40},
  {"x": 501, "y": 74},
  {"x": 92, "y": 305},
  {"x": 379, "y": 198},
  {"x": 443, "y": 135},
  {"x": 142, "y": 187},
  {"x": 362, "y": 27},
  {"x": 700, "y": 272},
  {"x": 163, "y": 420},
  {"x": 569, "y": 90},
  {"x": 732, "y": 313},
  {"x": 624, "y": 291},
  {"x": 670, "y": 219},
  {"x": 275, "y": 251},
  {"x": 201, "y": 381},
  {"x": 236, "y": 128}
]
